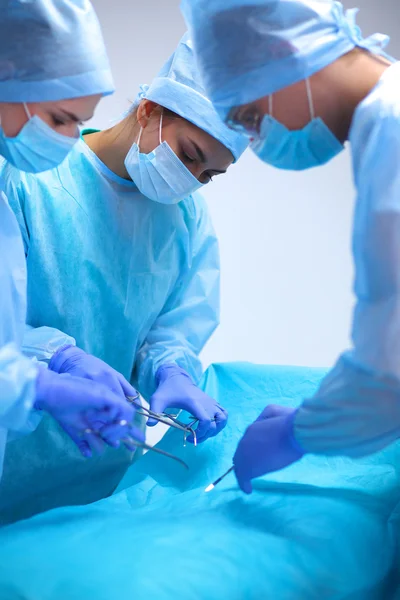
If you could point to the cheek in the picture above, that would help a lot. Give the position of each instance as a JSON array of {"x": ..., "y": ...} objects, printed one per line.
[
  {"x": 290, "y": 107},
  {"x": 149, "y": 140},
  {"x": 169, "y": 135},
  {"x": 12, "y": 119},
  {"x": 70, "y": 130}
]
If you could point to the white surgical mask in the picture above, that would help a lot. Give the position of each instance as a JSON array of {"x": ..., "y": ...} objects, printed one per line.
[
  {"x": 297, "y": 150},
  {"x": 160, "y": 175},
  {"x": 37, "y": 147}
]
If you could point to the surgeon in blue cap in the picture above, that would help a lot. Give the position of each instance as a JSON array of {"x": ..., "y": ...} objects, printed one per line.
[
  {"x": 122, "y": 256},
  {"x": 298, "y": 77},
  {"x": 53, "y": 72}
]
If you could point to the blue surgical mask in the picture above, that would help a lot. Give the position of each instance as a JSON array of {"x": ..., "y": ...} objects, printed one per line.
[
  {"x": 160, "y": 175},
  {"x": 37, "y": 147},
  {"x": 297, "y": 150}
]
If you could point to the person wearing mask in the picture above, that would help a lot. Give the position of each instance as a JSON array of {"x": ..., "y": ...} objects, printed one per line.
[
  {"x": 298, "y": 77},
  {"x": 122, "y": 256},
  {"x": 53, "y": 72}
]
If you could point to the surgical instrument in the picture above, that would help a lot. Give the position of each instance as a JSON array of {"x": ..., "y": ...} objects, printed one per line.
[
  {"x": 165, "y": 418},
  {"x": 131, "y": 444},
  {"x": 212, "y": 485}
]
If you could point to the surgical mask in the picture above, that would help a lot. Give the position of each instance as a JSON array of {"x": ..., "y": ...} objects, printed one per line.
[
  {"x": 297, "y": 150},
  {"x": 37, "y": 147},
  {"x": 160, "y": 175}
]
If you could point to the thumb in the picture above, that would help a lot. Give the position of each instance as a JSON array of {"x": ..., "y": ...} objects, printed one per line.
[
  {"x": 127, "y": 388},
  {"x": 244, "y": 483},
  {"x": 246, "y": 486},
  {"x": 157, "y": 404}
]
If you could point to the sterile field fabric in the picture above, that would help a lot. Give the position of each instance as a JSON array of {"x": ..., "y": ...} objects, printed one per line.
[{"x": 323, "y": 528}]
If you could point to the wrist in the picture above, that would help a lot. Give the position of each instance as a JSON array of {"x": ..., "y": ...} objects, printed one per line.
[
  {"x": 169, "y": 370},
  {"x": 291, "y": 435},
  {"x": 43, "y": 381},
  {"x": 63, "y": 354}
]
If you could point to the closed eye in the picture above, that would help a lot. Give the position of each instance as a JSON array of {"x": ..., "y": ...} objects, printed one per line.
[
  {"x": 188, "y": 158},
  {"x": 57, "y": 121}
]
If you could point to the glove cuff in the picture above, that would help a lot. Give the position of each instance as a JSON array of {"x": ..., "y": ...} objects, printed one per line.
[
  {"x": 43, "y": 382},
  {"x": 291, "y": 436},
  {"x": 169, "y": 370},
  {"x": 63, "y": 354}
]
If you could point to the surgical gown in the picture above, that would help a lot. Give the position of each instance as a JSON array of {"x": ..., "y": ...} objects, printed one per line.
[
  {"x": 357, "y": 408},
  {"x": 135, "y": 282},
  {"x": 17, "y": 373}
]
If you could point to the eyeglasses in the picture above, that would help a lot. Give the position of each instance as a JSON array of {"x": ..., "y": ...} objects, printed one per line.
[{"x": 246, "y": 122}]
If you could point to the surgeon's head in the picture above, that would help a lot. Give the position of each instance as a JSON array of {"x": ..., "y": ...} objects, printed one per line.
[
  {"x": 202, "y": 154},
  {"x": 53, "y": 72},
  {"x": 178, "y": 141},
  {"x": 276, "y": 70}
]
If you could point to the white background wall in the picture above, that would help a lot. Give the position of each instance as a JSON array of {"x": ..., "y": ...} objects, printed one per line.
[{"x": 285, "y": 237}]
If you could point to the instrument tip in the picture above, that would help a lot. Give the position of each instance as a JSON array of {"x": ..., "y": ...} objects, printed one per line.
[{"x": 209, "y": 487}]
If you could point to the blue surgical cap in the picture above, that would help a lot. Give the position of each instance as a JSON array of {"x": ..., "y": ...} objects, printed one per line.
[
  {"x": 178, "y": 88},
  {"x": 248, "y": 49},
  {"x": 51, "y": 50}
]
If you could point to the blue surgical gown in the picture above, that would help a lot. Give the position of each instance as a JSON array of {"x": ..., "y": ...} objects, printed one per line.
[
  {"x": 17, "y": 373},
  {"x": 357, "y": 408},
  {"x": 135, "y": 282}
]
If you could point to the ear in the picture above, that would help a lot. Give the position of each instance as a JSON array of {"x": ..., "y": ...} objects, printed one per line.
[{"x": 144, "y": 112}]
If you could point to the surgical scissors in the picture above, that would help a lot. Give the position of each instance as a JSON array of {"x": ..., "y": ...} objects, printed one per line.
[{"x": 165, "y": 418}]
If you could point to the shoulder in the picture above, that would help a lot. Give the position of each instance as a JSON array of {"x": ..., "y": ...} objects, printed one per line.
[
  {"x": 13, "y": 181},
  {"x": 376, "y": 120}
]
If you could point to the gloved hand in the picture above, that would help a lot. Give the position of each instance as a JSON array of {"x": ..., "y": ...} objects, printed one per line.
[
  {"x": 75, "y": 361},
  {"x": 268, "y": 445},
  {"x": 177, "y": 390},
  {"x": 78, "y": 404}
]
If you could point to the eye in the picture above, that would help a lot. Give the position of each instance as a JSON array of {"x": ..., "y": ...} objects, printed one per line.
[
  {"x": 250, "y": 120},
  {"x": 187, "y": 156},
  {"x": 245, "y": 121},
  {"x": 57, "y": 121}
]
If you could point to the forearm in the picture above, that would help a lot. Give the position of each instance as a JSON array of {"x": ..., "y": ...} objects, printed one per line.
[
  {"x": 43, "y": 342},
  {"x": 355, "y": 412},
  {"x": 17, "y": 390}
]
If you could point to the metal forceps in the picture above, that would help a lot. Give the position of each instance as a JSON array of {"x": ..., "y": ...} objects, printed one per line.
[
  {"x": 166, "y": 419},
  {"x": 131, "y": 444}
]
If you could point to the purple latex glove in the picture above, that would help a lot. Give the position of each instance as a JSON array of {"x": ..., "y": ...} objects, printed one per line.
[
  {"x": 177, "y": 390},
  {"x": 268, "y": 445},
  {"x": 78, "y": 404},
  {"x": 75, "y": 361}
]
